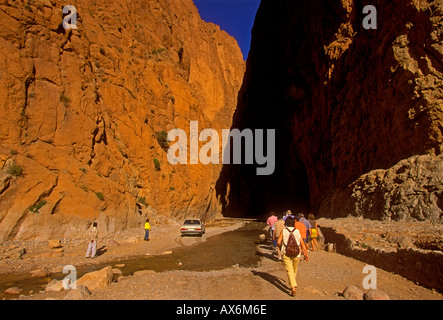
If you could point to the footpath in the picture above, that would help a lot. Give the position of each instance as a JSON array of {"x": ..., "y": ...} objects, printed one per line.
[{"x": 324, "y": 277}]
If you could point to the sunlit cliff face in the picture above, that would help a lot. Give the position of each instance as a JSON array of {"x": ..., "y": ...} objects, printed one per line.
[{"x": 82, "y": 113}]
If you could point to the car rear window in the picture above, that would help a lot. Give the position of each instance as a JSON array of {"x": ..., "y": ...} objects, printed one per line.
[{"x": 192, "y": 222}]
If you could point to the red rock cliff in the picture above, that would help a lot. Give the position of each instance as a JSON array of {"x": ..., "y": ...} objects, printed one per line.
[{"x": 82, "y": 113}]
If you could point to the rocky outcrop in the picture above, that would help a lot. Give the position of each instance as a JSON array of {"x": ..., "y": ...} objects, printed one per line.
[
  {"x": 352, "y": 109},
  {"x": 413, "y": 188},
  {"x": 83, "y": 113}
]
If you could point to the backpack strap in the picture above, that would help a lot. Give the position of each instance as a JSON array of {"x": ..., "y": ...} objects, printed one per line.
[
  {"x": 299, "y": 245},
  {"x": 290, "y": 230}
]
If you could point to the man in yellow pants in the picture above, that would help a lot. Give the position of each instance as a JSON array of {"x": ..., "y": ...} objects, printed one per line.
[{"x": 291, "y": 263}]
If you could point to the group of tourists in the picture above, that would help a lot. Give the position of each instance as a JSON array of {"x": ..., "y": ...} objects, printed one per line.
[
  {"x": 289, "y": 234},
  {"x": 292, "y": 236}
]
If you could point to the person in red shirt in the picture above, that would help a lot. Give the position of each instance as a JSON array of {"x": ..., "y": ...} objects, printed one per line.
[{"x": 270, "y": 222}]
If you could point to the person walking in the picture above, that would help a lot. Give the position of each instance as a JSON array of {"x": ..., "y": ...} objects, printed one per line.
[
  {"x": 301, "y": 227},
  {"x": 270, "y": 222},
  {"x": 279, "y": 225},
  {"x": 291, "y": 263},
  {"x": 288, "y": 213},
  {"x": 314, "y": 231},
  {"x": 92, "y": 246},
  {"x": 147, "y": 229},
  {"x": 308, "y": 228}
]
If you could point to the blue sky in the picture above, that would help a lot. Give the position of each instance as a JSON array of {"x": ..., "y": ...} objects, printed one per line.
[{"x": 236, "y": 17}]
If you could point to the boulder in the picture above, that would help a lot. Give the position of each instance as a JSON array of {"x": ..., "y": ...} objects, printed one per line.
[
  {"x": 262, "y": 237},
  {"x": 80, "y": 293},
  {"x": 40, "y": 273},
  {"x": 97, "y": 279},
  {"x": 330, "y": 247},
  {"x": 54, "y": 286},
  {"x": 13, "y": 290},
  {"x": 352, "y": 293},
  {"x": 54, "y": 244},
  {"x": 117, "y": 271},
  {"x": 375, "y": 294}
]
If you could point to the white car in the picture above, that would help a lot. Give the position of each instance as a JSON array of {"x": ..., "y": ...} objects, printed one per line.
[{"x": 193, "y": 226}]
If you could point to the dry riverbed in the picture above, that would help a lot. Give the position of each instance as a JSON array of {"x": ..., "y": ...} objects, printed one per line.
[{"x": 325, "y": 276}]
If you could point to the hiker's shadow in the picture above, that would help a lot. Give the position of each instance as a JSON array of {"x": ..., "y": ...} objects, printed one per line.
[
  {"x": 265, "y": 254},
  {"x": 275, "y": 281},
  {"x": 101, "y": 251}
]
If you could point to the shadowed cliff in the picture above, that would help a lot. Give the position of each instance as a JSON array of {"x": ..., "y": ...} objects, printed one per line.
[{"x": 358, "y": 113}]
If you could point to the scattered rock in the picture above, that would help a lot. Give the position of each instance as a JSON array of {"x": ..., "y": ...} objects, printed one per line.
[
  {"x": 330, "y": 247},
  {"x": 40, "y": 273},
  {"x": 352, "y": 293},
  {"x": 14, "y": 253},
  {"x": 54, "y": 286},
  {"x": 54, "y": 244},
  {"x": 405, "y": 242},
  {"x": 80, "y": 293},
  {"x": 375, "y": 294},
  {"x": 97, "y": 279},
  {"x": 57, "y": 269},
  {"x": 119, "y": 265},
  {"x": 262, "y": 237},
  {"x": 117, "y": 271},
  {"x": 13, "y": 290}
]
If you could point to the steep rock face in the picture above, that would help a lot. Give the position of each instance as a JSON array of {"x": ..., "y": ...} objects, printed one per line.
[
  {"x": 412, "y": 188},
  {"x": 83, "y": 113},
  {"x": 344, "y": 101}
]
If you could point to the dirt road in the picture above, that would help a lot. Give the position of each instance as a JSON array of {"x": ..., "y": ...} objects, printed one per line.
[{"x": 324, "y": 277}]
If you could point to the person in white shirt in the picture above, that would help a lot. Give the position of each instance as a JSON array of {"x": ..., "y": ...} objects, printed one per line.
[
  {"x": 291, "y": 263},
  {"x": 92, "y": 246}
]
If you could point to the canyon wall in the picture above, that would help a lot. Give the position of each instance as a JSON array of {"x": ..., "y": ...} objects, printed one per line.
[
  {"x": 358, "y": 113},
  {"x": 84, "y": 113}
]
